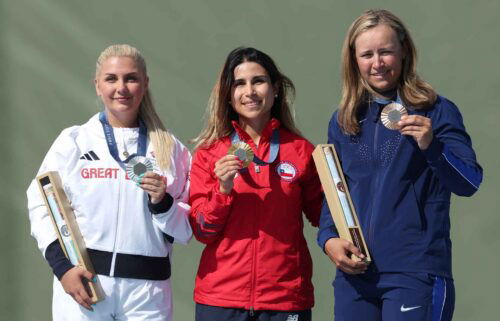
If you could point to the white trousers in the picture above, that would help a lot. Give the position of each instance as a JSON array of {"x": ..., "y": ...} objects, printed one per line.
[{"x": 125, "y": 299}]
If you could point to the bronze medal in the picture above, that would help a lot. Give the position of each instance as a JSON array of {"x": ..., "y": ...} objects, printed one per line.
[{"x": 391, "y": 115}]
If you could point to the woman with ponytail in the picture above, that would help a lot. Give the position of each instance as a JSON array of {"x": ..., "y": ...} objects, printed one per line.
[{"x": 129, "y": 218}]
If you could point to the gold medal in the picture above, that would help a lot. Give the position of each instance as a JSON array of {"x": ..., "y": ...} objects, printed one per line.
[
  {"x": 391, "y": 115},
  {"x": 243, "y": 151}
]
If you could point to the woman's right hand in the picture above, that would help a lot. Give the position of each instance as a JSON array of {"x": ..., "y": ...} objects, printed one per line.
[
  {"x": 73, "y": 285},
  {"x": 340, "y": 250},
  {"x": 225, "y": 170}
]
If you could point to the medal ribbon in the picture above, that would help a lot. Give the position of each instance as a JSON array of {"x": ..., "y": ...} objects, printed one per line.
[
  {"x": 273, "y": 149},
  {"x": 383, "y": 101},
  {"x": 142, "y": 145}
]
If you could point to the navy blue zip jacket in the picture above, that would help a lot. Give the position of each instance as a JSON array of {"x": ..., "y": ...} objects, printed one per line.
[{"x": 402, "y": 194}]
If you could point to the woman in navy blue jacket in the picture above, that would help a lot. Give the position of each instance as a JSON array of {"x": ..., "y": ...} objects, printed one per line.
[{"x": 400, "y": 176}]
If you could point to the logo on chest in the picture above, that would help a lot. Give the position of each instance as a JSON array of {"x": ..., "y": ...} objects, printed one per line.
[
  {"x": 91, "y": 156},
  {"x": 286, "y": 171}
]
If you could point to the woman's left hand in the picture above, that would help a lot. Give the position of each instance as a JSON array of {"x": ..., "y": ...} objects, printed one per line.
[
  {"x": 419, "y": 127},
  {"x": 155, "y": 185}
]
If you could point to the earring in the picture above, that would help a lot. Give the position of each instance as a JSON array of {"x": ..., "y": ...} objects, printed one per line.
[{"x": 275, "y": 95}]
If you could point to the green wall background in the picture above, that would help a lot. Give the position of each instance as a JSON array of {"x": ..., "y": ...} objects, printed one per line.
[{"x": 48, "y": 51}]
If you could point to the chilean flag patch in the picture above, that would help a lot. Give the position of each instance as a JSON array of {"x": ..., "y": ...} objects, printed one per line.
[{"x": 287, "y": 171}]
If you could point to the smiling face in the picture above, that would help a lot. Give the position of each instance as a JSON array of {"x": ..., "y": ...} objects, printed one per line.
[
  {"x": 252, "y": 93},
  {"x": 379, "y": 56},
  {"x": 121, "y": 85}
]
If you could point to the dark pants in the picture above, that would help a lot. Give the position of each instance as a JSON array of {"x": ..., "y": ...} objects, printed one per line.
[
  {"x": 393, "y": 297},
  {"x": 211, "y": 313}
]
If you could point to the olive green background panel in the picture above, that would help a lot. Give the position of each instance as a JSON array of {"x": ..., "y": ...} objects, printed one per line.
[{"x": 48, "y": 50}]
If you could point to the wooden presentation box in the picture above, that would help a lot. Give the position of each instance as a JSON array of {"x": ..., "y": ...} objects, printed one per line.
[
  {"x": 338, "y": 197},
  {"x": 66, "y": 227}
]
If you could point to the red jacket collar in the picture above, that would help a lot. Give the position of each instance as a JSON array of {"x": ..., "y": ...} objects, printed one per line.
[{"x": 272, "y": 124}]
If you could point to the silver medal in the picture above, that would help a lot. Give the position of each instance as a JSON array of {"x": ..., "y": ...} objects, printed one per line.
[{"x": 137, "y": 166}]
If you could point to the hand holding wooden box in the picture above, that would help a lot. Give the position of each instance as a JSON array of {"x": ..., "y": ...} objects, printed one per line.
[
  {"x": 338, "y": 197},
  {"x": 66, "y": 227}
]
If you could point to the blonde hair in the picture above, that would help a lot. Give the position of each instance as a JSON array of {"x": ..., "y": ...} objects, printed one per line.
[
  {"x": 414, "y": 91},
  {"x": 160, "y": 138},
  {"x": 220, "y": 113}
]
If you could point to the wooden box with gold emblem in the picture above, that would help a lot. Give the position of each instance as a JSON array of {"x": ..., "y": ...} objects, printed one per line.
[
  {"x": 338, "y": 197},
  {"x": 66, "y": 227}
]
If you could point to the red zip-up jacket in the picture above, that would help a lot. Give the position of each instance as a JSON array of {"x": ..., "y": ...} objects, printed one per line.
[{"x": 256, "y": 257}]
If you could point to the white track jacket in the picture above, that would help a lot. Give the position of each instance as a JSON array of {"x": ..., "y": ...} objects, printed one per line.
[{"x": 111, "y": 211}]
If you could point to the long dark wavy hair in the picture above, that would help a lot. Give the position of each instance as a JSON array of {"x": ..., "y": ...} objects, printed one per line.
[{"x": 220, "y": 113}]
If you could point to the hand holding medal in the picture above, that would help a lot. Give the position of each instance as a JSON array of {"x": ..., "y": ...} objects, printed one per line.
[
  {"x": 395, "y": 116},
  {"x": 419, "y": 127},
  {"x": 225, "y": 169},
  {"x": 239, "y": 156},
  {"x": 243, "y": 151},
  {"x": 140, "y": 169},
  {"x": 153, "y": 184}
]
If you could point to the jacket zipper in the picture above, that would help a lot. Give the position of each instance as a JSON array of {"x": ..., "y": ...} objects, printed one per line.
[
  {"x": 113, "y": 259},
  {"x": 252, "y": 279},
  {"x": 254, "y": 268},
  {"x": 254, "y": 249},
  {"x": 374, "y": 182}
]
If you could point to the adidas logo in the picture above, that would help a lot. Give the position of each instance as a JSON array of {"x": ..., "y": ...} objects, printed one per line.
[
  {"x": 90, "y": 156},
  {"x": 293, "y": 317}
]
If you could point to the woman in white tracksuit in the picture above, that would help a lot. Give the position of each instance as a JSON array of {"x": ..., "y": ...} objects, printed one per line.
[{"x": 128, "y": 223}]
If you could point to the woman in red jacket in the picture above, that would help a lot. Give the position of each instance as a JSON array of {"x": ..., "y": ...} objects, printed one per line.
[{"x": 251, "y": 179}]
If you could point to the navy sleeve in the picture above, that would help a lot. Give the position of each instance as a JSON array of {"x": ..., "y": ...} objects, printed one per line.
[
  {"x": 163, "y": 206},
  {"x": 327, "y": 229},
  {"x": 450, "y": 154},
  {"x": 59, "y": 263}
]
